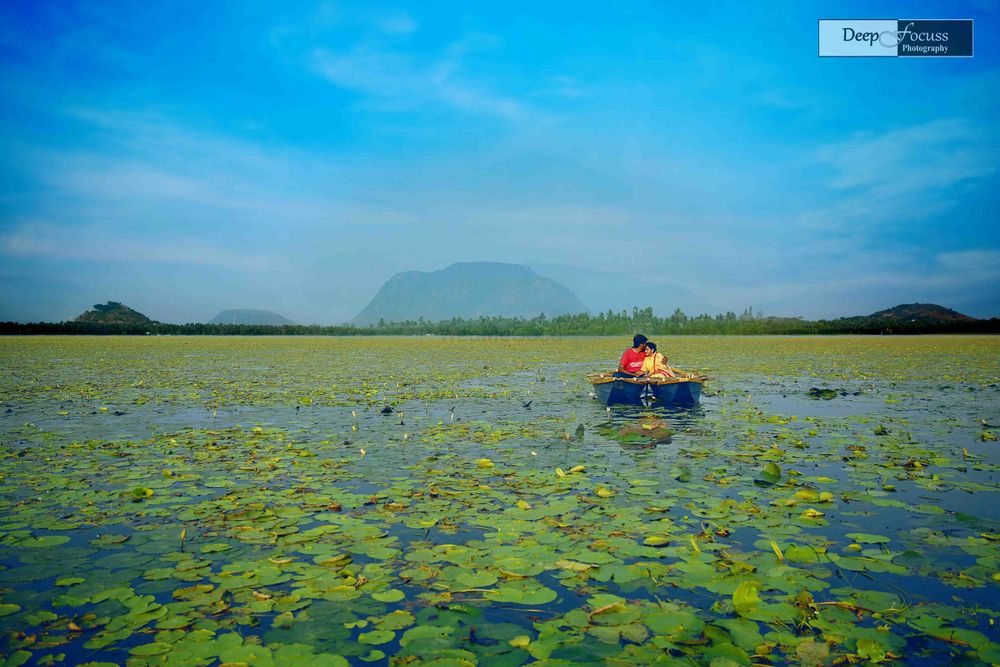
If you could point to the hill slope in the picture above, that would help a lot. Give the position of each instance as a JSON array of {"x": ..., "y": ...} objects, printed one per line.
[
  {"x": 469, "y": 290},
  {"x": 921, "y": 312},
  {"x": 249, "y": 316},
  {"x": 113, "y": 312}
]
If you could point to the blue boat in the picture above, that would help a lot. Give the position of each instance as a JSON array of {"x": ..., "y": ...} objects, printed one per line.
[
  {"x": 643, "y": 391},
  {"x": 682, "y": 390},
  {"x": 625, "y": 391}
]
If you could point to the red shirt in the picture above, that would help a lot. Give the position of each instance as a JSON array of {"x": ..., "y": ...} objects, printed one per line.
[{"x": 632, "y": 360}]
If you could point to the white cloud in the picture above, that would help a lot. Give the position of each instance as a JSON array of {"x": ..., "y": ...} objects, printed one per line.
[
  {"x": 45, "y": 240},
  {"x": 150, "y": 170},
  {"x": 969, "y": 265},
  {"x": 906, "y": 174},
  {"x": 906, "y": 159},
  {"x": 404, "y": 80}
]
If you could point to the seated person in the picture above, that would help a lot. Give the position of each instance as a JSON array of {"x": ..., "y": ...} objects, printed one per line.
[
  {"x": 655, "y": 365},
  {"x": 630, "y": 365}
]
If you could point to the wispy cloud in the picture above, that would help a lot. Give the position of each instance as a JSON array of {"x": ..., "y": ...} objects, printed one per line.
[
  {"x": 964, "y": 266},
  {"x": 403, "y": 79},
  {"x": 380, "y": 61},
  {"x": 937, "y": 154},
  {"x": 909, "y": 173},
  {"x": 155, "y": 193},
  {"x": 148, "y": 166},
  {"x": 44, "y": 240},
  {"x": 414, "y": 136}
]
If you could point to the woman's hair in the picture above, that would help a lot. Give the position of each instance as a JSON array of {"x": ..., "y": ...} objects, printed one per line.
[{"x": 651, "y": 346}]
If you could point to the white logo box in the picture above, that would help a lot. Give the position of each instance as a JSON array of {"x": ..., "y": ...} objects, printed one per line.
[{"x": 873, "y": 38}]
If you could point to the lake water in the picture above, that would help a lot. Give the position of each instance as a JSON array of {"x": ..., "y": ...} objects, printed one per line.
[{"x": 198, "y": 501}]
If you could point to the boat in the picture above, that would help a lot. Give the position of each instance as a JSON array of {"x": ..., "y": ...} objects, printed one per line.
[{"x": 680, "y": 390}]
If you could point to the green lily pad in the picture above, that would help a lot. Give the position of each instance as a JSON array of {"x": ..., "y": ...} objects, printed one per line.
[
  {"x": 43, "y": 542},
  {"x": 146, "y": 650},
  {"x": 6, "y": 609},
  {"x": 745, "y": 597},
  {"x": 866, "y": 538},
  {"x": 377, "y": 637},
  {"x": 769, "y": 474},
  {"x": 526, "y": 592},
  {"x": 391, "y": 595},
  {"x": 69, "y": 581}
]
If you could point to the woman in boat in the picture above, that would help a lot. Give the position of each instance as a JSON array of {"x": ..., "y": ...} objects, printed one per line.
[{"x": 655, "y": 365}]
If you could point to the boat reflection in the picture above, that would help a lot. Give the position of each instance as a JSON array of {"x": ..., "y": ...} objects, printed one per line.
[{"x": 646, "y": 427}]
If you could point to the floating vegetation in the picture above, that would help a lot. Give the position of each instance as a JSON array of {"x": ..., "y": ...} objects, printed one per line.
[
  {"x": 213, "y": 501},
  {"x": 825, "y": 393}
]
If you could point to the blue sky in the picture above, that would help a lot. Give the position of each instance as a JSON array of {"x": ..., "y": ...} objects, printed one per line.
[{"x": 189, "y": 157}]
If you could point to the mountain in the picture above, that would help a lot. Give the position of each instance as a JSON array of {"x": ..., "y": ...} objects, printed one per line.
[
  {"x": 249, "y": 316},
  {"x": 468, "y": 290},
  {"x": 113, "y": 312},
  {"x": 921, "y": 312}
]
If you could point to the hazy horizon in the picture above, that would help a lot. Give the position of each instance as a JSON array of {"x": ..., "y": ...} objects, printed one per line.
[
  {"x": 659, "y": 312},
  {"x": 189, "y": 159}
]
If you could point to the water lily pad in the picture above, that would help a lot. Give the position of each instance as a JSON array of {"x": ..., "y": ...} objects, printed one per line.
[
  {"x": 43, "y": 541},
  {"x": 527, "y": 592},
  {"x": 376, "y": 637},
  {"x": 866, "y": 538},
  {"x": 140, "y": 493},
  {"x": 871, "y": 650},
  {"x": 745, "y": 597},
  {"x": 769, "y": 474},
  {"x": 391, "y": 595},
  {"x": 155, "y": 648},
  {"x": 69, "y": 581}
]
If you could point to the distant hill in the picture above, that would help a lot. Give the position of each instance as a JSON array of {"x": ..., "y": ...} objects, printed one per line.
[
  {"x": 921, "y": 312},
  {"x": 113, "y": 312},
  {"x": 249, "y": 316},
  {"x": 469, "y": 290}
]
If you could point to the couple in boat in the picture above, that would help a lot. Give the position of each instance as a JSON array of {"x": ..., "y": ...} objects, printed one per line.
[{"x": 643, "y": 361}]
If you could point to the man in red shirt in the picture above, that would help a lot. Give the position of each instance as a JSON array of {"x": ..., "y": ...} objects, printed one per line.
[{"x": 630, "y": 365}]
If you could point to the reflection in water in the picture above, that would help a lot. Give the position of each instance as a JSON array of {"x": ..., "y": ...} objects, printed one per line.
[{"x": 679, "y": 415}]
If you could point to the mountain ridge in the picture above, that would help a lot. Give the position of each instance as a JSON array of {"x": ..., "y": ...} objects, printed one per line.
[
  {"x": 469, "y": 290},
  {"x": 249, "y": 316},
  {"x": 113, "y": 312},
  {"x": 921, "y": 312}
]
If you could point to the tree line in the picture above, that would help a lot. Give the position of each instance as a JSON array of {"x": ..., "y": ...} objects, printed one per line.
[{"x": 610, "y": 323}]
